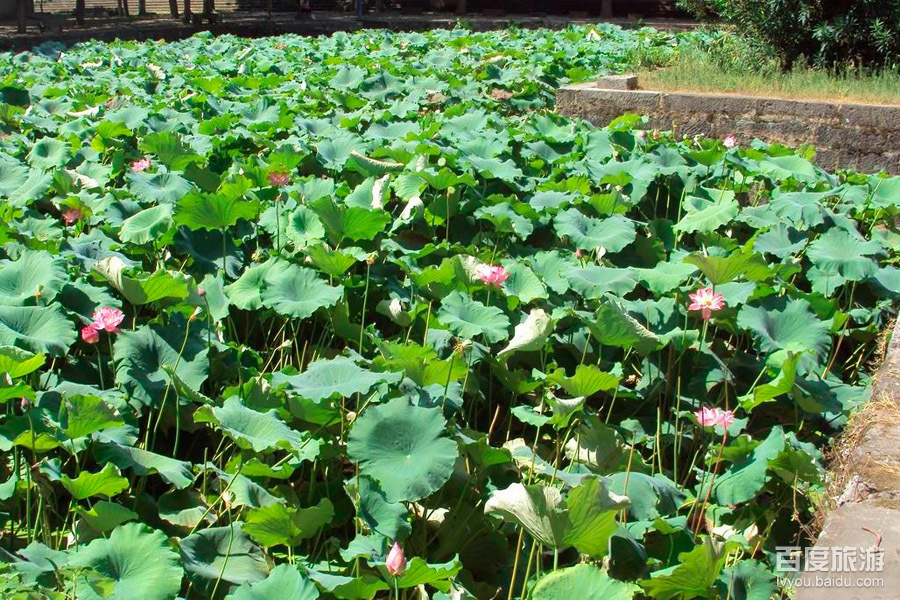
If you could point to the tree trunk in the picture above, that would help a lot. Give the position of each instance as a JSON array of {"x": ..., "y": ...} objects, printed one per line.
[
  {"x": 460, "y": 7},
  {"x": 187, "y": 12},
  {"x": 606, "y": 9},
  {"x": 125, "y": 8},
  {"x": 21, "y": 14},
  {"x": 173, "y": 8},
  {"x": 142, "y": 8},
  {"x": 79, "y": 12}
]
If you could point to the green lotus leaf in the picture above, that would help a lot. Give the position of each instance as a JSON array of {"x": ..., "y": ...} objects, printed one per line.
[
  {"x": 522, "y": 283},
  {"x": 184, "y": 508},
  {"x": 165, "y": 188},
  {"x": 704, "y": 215},
  {"x": 419, "y": 572},
  {"x": 338, "y": 376},
  {"x": 82, "y": 415},
  {"x": 800, "y": 209},
  {"x": 39, "y": 329},
  {"x": 140, "y": 356},
  {"x": 612, "y": 233},
  {"x": 107, "y": 482},
  {"x": 592, "y": 512},
  {"x": 331, "y": 262},
  {"x": 402, "y": 447},
  {"x": 137, "y": 559},
  {"x": 303, "y": 227},
  {"x": 390, "y": 519},
  {"x": 582, "y": 581},
  {"x": 837, "y": 251},
  {"x": 13, "y": 175},
  {"x": 611, "y": 325},
  {"x": 142, "y": 289},
  {"x": 468, "y": 318},
  {"x": 505, "y": 219},
  {"x": 364, "y": 587},
  {"x": 213, "y": 211},
  {"x": 170, "y": 150},
  {"x": 285, "y": 581},
  {"x": 32, "y": 275},
  {"x": 585, "y": 519},
  {"x": 694, "y": 576},
  {"x": 371, "y": 167},
  {"x": 594, "y": 281},
  {"x": 587, "y": 381},
  {"x": 665, "y": 276},
  {"x": 32, "y": 189},
  {"x": 352, "y": 223},
  {"x": 149, "y": 225},
  {"x": 143, "y": 462},
  {"x": 245, "y": 292},
  {"x": 749, "y": 579},
  {"x": 105, "y": 516},
  {"x": 297, "y": 292},
  {"x": 779, "y": 241},
  {"x": 651, "y": 496},
  {"x": 333, "y": 153},
  {"x": 745, "y": 479},
  {"x": 531, "y": 334},
  {"x": 277, "y": 524},
  {"x": 261, "y": 431},
  {"x": 724, "y": 269},
  {"x": 16, "y": 362},
  {"x": 785, "y": 326},
  {"x": 224, "y": 552},
  {"x": 49, "y": 153},
  {"x": 551, "y": 268}
]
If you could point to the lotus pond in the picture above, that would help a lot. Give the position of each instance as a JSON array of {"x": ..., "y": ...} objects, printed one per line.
[{"x": 359, "y": 317}]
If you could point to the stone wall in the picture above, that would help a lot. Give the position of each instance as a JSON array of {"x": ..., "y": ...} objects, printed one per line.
[{"x": 862, "y": 136}]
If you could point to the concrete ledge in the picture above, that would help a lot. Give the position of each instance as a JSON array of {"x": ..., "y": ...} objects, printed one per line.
[{"x": 865, "y": 137}]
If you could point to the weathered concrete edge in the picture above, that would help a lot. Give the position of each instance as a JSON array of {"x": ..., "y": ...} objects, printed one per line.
[
  {"x": 846, "y": 134},
  {"x": 870, "y": 512}
]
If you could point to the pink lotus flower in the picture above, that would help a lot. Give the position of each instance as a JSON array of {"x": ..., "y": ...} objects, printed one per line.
[
  {"x": 72, "y": 215},
  {"x": 141, "y": 165},
  {"x": 396, "y": 561},
  {"x": 709, "y": 417},
  {"x": 107, "y": 319},
  {"x": 279, "y": 178},
  {"x": 492, "y": 274},
  {"x": 706, "y": 301},
  {"x": 90, "y": 335},
  {"x": 730, "y": 141}
]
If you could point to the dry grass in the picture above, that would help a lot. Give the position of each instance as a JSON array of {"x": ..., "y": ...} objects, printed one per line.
[
  {"x": 696, "y": 71},
  {"x": 843, "y": 459}
]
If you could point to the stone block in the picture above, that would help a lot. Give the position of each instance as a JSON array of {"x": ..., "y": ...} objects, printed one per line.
[
  {"x": 871, "y": 115},
  {"x": 617, "y": 82},
  {"x": 852, "y": 525}
]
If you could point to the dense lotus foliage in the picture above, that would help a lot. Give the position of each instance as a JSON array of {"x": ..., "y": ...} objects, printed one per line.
[{"x": 359, "y": 317}]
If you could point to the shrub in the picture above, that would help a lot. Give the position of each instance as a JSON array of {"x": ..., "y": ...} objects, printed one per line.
[{"x": 822, "y": 32}]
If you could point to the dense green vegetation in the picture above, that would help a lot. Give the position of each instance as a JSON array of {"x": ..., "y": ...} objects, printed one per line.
[
  {"x": 858, "y": 33},
  {"x": 275, "y": 311}
]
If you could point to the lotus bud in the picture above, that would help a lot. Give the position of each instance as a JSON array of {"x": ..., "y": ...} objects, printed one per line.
[
  {"x": 351, "y": 416},
  {"x": 370, "y": 260},
  {"x": 90, "y": 335},
  {"x": 201, "y": 291},
  {"x": 39, "y": 291},
  {"x": 195, "y": 314},
  {"x": 396, "y": 561}
]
